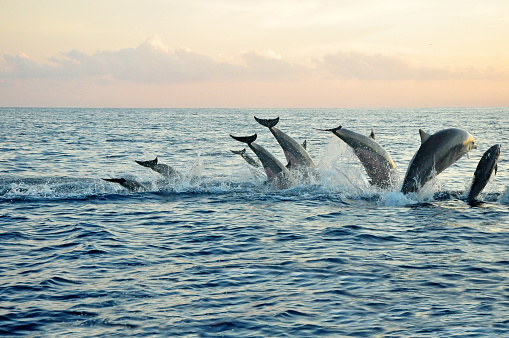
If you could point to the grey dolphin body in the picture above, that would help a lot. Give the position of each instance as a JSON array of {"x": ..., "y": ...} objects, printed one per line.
[
  {"x": 130, "y": 185},
  {"x": 295, "y": 153},
  {"x": 485, "y": 168},
  {"x": 246, "y": 157},
  {"x": 274, "y": 169},
  {"x": 376, "y": 160},
  {"x": 161, "y": 168},
  {"x": 436, "y": 153}
]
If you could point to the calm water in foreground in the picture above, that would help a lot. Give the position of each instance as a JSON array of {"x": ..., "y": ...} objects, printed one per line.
[{"x": 228, "y": 255}]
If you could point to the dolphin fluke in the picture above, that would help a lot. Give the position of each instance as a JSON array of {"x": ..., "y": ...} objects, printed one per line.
[
  {"x": 128, "y": 184},
  {"x": 116, "y": 180},
  {"x": 333, "y": 129},
  {"x": 148, "y": 164},
  {"x": 239, "y": 152},
  {"x": 245, "y": 139},
  {"x": 267, "y": 123}
]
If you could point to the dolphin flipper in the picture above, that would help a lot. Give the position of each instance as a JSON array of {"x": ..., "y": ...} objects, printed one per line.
[
  {"x": 245, "y": 139},
  {"x": 267, "y": 123}
]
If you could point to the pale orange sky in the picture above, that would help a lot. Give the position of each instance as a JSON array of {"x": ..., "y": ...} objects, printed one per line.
[{"x": 239, "y": 53}]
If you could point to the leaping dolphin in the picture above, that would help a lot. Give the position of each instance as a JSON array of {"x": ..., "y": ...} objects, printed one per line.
[
  {"x": 161, "y": 168},
  {"x": 128, "y": 184},
  {"x": 376, "y": 160},
  {"x": 485, "y": 168},
  {"x": 246, "y": 157},
  {"x": 274, "y": 169},
  {"x": 295, "y": 153},
  {"x": 436, "y": 153}
]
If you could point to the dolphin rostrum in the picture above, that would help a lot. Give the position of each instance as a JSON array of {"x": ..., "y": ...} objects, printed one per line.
[
  {"x": 274, "y": 169},
  {"x": 246, "y": 157},
  {"x": 436, "y": 153},
  {"x": 161, "y": 168},
  {"x": 295, "y": 153},
  {"x": 130, "y": 185},
  {"x": 485, "y": 168},
  {"x": 376, "y": 160}
]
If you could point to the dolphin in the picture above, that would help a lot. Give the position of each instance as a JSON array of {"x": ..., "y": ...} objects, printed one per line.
[
  {"x": 274, "y": 169},
  {"x": 161, "y": 168},
  {"x": 485, "y": 168},
  {"x": 128, "y": 184},
  {"x": 436, "y": 153},
  {"x": 295, "y": 153},
  {"x": 376, "y": 160},
  {"x": 246, "y": 157}
]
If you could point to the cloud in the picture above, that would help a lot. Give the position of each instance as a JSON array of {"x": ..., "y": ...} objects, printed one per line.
[
  {"x": 362, "y": 66},
  {"x": 150, "y": 62},
  {"x": 154, "y": 62}
]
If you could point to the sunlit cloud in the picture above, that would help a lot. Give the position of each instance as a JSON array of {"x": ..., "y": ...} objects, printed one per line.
[
  {"x": 154, "y": 62},
  {"x": 150, "y": 62},
  {"x": 354, "y": 65}
]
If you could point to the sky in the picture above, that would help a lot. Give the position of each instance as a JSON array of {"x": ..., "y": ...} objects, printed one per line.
[{"x": 254, "y": 54}]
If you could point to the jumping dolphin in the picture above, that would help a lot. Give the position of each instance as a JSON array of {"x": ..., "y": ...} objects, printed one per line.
[
  {"x": 274, "y": 169},
  {"x": 487, "y": 165},
  {"x": 128, "y": 184},
  {"x": 161, "y": 168},
  {"x": 436, "y": 153},
  {"x": 376, "y": 160},
  {"x": 295, "y": 154},
  {"x": 246, "y": 157}
]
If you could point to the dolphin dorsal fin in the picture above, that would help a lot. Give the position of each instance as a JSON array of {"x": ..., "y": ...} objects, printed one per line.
[
  {"x": 372, "y": 135},
  {"x": 424, "y": 135},
  {"x": 305, "y": 144}
]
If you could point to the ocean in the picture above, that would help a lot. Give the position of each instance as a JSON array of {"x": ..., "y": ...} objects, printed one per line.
[{"x": 221, "y": 253}]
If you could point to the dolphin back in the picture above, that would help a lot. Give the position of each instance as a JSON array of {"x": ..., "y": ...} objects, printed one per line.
[
  {"x": 485, "y": 168},
  {"x": 267, "y": 123}
]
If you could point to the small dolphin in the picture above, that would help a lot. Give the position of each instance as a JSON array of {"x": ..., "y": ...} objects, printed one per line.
[
  {"x": 128, "y": 184},
  {"x": 249, "y": 159},
  {"x": 274, "y": 169},
  {"x": 295, "y": 153},
  {"x": 376, "y": 160},
  {"x": 436, "y": 153},
  {"x": 487, "y": 165},
  {"x": 161, "y": 168}
]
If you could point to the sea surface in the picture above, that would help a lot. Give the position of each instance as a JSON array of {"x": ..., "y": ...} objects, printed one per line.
[{"x": 221, "y": 253}]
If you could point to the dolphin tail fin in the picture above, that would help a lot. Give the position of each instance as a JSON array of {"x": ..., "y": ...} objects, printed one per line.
[
  {"x": 267, "y": 123},
  {"x": 148, "y": 164},
  {"x": 333, "y": 129},
  {"x": 245, "y": 139},
  {"x": 239, "y": 152},
  {"x": 115, "y": 180}
]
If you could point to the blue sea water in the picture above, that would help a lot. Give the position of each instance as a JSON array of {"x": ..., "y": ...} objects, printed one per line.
[{"x": 227, "y": 254}]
